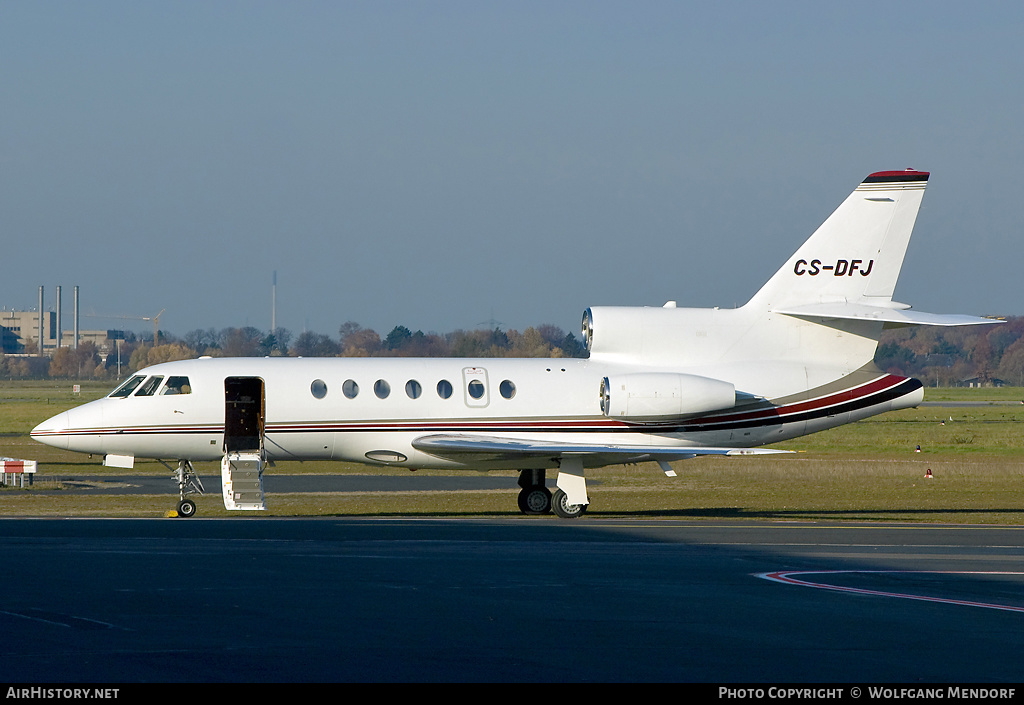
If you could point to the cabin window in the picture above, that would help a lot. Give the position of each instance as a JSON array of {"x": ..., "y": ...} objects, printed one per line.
[
  {"x": 444, "y": 389},
  {"x": 128, "y": 387},
  {"x": 318, "y": 388},
  {"x": 382, "y": 389},
  {"x": 475, "y": 387},
  {"x": 507, "y": 388},
  {"x": 413, "y": 389},
  {"x": 177, "y": 385},
  {"x": 150, "y": 386},
  {"x": 350, "y": 389}
]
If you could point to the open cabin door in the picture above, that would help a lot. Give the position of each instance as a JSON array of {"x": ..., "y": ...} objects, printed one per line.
[
  {"x": 243, "y": 414},
  {"x": 241, "y": 469}
]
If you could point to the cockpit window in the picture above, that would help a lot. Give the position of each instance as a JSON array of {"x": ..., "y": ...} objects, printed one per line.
[
  {"x": 177, "y": 385},
  {"x": 150, "y": 386},
  {"x": 128, "y": 387}
]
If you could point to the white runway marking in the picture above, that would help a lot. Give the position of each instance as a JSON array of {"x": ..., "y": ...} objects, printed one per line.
[{"x": 788, "y": 577}]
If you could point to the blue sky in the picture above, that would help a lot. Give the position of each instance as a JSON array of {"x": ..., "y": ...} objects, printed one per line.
[{"x": 440, "y": 164}]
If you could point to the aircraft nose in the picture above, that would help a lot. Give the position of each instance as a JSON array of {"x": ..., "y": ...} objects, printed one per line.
[{"x": 53, "y": 432}]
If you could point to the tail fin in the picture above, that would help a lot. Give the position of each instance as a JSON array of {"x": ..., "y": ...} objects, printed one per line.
[
  {"x": 847, "y": 270},
  {"x": 856, "y": 255}
]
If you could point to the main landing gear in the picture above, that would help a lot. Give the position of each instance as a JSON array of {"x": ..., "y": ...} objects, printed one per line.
[
  {"x": 560, "y": 505},
  {"x": 535, "y": 498}
]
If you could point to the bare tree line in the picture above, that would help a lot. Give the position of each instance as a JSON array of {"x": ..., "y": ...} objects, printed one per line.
[
  {"x": 937, "y": 356},
  {"x": 352, "y": 341}
]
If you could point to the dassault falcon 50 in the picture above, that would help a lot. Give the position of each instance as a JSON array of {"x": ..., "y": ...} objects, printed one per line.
[{"x": 660, "y": 384}]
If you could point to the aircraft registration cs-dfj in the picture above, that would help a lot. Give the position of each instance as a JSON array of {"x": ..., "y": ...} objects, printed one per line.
[{"x": 661, "y": 383}]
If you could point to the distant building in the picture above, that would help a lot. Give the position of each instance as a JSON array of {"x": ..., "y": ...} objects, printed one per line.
[
  {"x": 979, "y": 382},
  {"x": 19, "y": 334},
  {"x": 21, "y": 330}
]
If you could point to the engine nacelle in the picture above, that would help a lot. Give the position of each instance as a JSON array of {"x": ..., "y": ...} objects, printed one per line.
[
  {"x": 660, "y": 337},
  {"x": 663, "y": 395}
]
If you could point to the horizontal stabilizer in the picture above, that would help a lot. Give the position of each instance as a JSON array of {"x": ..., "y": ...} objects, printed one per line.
[
  {"x": 467, "y": 447},
  {"x": 892, "y": 317}
]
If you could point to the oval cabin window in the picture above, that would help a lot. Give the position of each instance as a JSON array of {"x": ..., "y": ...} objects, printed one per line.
[
  {"x": 318, "y": 388},
  {"x": 507, "y": 389}
]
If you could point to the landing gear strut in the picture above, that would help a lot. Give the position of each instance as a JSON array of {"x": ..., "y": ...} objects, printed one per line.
[
  {"x": 534, "y": 498},
  {"x": 570, "y": 500},
  {"x": 188, "y": 483}
]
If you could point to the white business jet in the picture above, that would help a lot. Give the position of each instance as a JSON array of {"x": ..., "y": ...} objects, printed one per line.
[{"x": 661, "y": 384}]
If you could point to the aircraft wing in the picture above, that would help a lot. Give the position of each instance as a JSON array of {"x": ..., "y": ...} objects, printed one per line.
[
  {"x": 463, "y": 447},
  {"x": 892, "y": 317}
]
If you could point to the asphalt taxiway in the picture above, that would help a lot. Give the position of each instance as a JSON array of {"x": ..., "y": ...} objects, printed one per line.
[
  {"x": 519, "y": 599},
  {"x": 286, "y": 484}
]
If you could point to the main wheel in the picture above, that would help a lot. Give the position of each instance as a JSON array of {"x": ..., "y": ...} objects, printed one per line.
[
  {"x": 535, "y": 500},
  {"x": 560, "y": 505},
  {"x": 186, "y": 508}
]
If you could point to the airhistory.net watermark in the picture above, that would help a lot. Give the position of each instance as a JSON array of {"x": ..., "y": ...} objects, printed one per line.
[{"x": 52, "y": 693}]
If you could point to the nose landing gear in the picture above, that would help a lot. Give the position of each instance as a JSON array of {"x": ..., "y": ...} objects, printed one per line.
[{"x": 188, "y": 483}]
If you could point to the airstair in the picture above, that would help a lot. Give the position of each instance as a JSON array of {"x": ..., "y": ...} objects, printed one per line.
[{"x": 241, "y": 477}]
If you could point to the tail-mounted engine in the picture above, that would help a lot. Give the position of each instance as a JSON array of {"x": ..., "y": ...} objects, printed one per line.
[
  {"x": 658, "y": 336},
  {"x": 649, "y": 396}
]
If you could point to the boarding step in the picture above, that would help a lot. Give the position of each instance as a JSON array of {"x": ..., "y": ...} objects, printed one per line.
[{"x": 241, "y": 475}]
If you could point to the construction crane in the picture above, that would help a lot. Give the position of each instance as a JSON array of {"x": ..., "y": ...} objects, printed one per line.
[{"x": 155, "y": 319}]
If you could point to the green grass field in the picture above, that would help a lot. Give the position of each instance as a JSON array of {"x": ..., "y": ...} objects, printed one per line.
[{"x": 867, "y": 471}]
